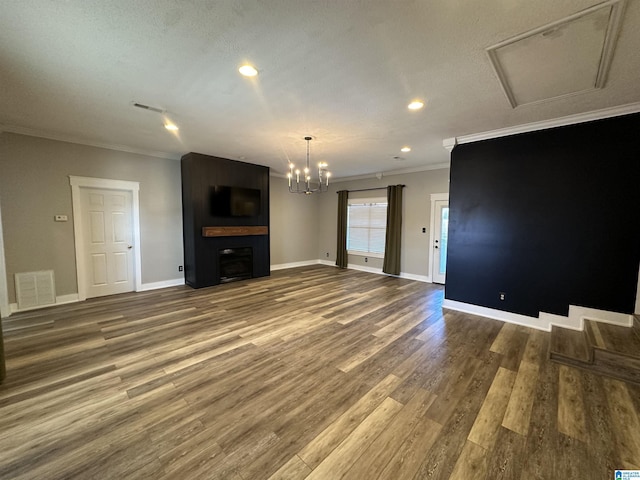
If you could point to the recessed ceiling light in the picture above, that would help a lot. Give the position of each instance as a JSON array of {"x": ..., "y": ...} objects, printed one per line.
[
  {"x": 171, "y": 127},
  {"x": 248, "y": 71},
  {"x": 415, "y": 105},
  {"x": 405, "y": 149}
]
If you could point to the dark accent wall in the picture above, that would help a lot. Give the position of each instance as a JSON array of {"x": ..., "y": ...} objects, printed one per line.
[
  {"x": 199, "y": 173},
  {"x": 550, "y": 218}
]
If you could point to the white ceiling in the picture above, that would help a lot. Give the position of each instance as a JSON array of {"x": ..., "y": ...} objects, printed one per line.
[{"x": 342, "y": 71}]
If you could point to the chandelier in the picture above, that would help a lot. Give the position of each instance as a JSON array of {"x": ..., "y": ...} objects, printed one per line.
[{"x": 321, "y": 184}]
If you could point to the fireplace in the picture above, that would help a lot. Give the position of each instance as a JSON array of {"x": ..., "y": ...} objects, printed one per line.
[
  {"x": 235, "y": 264},
  {"x": 207, "y": 234}
]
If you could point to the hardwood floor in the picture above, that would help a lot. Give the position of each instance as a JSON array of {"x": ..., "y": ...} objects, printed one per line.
[{"x": 314, "y": 373}]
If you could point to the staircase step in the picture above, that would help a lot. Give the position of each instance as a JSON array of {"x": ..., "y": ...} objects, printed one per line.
[
  {"x": 616, "y": 365},
  {"x": 569, "y": 345},
  {"x": 606, "y": 349},
  {"x": 614, "y": 339}
]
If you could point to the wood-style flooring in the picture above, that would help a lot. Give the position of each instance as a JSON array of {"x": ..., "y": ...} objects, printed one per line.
[
  {"x": 314, "y": 373},
  {"x": 610, "y": 350}
]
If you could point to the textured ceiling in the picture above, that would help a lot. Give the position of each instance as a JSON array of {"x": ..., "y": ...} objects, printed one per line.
[{"x": 342, "y": 71}]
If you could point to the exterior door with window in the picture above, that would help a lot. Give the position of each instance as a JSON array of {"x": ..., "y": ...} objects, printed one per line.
[{"x": 441, "y": 227}]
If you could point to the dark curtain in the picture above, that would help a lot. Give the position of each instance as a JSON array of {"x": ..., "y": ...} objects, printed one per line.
[
  {"x": 341, "y": 249},
  {"x": 391, "y": 262}
]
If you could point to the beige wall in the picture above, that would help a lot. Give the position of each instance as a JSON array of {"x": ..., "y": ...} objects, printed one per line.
[
  {"x": 293, "y": 224},
  {"x": 416, "y": 215},
  {"x": 34, "y": 186}
]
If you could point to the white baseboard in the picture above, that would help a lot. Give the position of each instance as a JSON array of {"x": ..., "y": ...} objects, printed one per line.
[
  {"x": 352, "y": 266},
  {"x": 417, "y": 278},
  {"x": 174, "y": 282},
  {"x": 562, "y": 321},
  {"x": 304, "y": 263},
  {"x": 70, "y": 298},
  {"x": 408, "y": 276},
  {"x": 497, "y": 314},
  {"x": 362, "y": 268},
  {"x": 614, "y": 318},
  {"x": 60, "y": 300},
  {"x": 575, "y": 320}
]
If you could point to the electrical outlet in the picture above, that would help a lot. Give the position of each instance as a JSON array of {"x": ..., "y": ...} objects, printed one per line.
[
  {"x": 366, "y": 259},
  {"x": 180, "y": 268},
  {"x": 327, "y": 254},
  {"x": 502, "y": 295},
  {"x": 60, "y": 218},
  {"x": 424, "y": 229}
]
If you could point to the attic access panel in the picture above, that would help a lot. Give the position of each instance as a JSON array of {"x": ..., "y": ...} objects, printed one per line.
[{"x": 563, "y": 58}]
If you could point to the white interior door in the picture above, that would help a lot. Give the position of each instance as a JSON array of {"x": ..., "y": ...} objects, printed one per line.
[
  {"x": 439, "y": 247},
  {"x": 108, "y": 240}
]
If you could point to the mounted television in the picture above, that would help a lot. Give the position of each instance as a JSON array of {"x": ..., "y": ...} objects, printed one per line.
[{"x": 228, "y": 201}]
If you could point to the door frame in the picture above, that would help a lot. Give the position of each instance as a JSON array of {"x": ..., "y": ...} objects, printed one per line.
[
  {"x": 5, "y": 310},
  {"x": 88, "y": 182},
  {"x": 432, "y": 227}
]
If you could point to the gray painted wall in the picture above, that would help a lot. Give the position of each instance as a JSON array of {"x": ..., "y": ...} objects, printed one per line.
[
  {"x": 416, "y": 215},
  {"x": 34, "y": 186},
  {"x": 293, "y": 224}
]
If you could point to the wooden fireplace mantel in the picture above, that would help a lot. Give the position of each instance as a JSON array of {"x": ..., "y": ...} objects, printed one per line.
[{"x": 234, "y": 231}]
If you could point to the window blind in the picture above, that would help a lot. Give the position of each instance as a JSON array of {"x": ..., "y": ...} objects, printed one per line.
[{"x": 366, "y": 226}]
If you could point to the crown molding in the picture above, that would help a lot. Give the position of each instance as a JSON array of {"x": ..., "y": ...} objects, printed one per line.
[
  {"x": 368, "y": 176},
  {"x": 425, "y": 168},
  {"x": 546, "y": 124},
  {"x": 60, "y": 137},
  {"x": 450, "y": 143}
]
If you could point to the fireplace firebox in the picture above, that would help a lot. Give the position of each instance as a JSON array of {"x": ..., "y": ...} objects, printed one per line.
[{"x": 235, "y": 264}]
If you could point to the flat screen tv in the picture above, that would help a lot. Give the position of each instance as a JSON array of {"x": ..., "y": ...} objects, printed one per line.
[{"x": 229, "y": 201}]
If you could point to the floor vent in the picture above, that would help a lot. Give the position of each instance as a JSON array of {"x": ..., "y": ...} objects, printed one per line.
[{"x": 34, "y": 289}]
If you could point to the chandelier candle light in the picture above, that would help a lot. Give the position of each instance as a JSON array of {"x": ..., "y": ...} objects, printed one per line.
[{"x": 308, "y": 187}]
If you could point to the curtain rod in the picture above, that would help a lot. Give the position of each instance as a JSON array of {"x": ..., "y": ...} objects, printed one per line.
[{"x": 369, "y": 189}]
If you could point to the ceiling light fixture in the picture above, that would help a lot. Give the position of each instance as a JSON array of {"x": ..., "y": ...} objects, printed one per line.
[
  {"x": 147, "y": 107},
  {"x": 308, "y": 187},
  {"x": 171, "y": 127},
  {"x": 248, "y": 70},
  {"x": 405, "y": 149},
  {"x": 415, "y": 105}
]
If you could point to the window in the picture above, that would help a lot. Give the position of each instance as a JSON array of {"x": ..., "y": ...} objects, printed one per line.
[{"x": 366, "y": 226}]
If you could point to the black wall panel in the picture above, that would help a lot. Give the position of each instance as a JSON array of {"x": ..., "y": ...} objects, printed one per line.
[
  {"x": 550, "y": 218},
  {"x": 200, "y": 173}
]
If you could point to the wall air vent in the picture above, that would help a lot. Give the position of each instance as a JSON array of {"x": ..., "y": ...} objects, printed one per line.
[
  {"x": 147, "y": 107},
  {"x": 563, "y": 58},
  {"x": 34, "y": 289}
]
